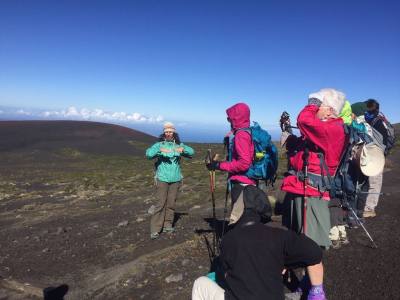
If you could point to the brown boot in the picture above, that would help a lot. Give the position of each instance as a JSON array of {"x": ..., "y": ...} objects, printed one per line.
[{"x": 369, "y": 214}]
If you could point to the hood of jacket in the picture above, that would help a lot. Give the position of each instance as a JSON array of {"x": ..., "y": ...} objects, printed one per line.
[{"x": 239, "y": 114}]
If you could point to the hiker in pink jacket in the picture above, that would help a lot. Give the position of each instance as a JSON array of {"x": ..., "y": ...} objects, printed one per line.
[
  {"x": 243, "y": 150},
  {"x": 321, "y": 144}
]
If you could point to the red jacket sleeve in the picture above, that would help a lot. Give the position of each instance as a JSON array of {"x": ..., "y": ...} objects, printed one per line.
[
  {"x": 311, "y": 127},
  {"x": 242, "y": 157}
]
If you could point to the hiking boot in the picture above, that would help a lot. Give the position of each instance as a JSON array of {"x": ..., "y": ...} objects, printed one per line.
[
  {"x": 336, "y": 244},
  {"x": 344, "y": 240},
  {"x": 168, "y": 229},
  {"x": 369, "y": 214},
  {"x": 352, "y": 223},
  {"x": 154, "y": 235}
]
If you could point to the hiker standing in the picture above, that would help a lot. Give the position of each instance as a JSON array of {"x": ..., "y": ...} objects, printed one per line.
[
  {"x": 253, "y": 256},
  {"x": 168, "y": 151},
  {"x": 242, "y": 153},
  {"x": 375, "y": 182},
  {"x": 318, "y": 152}
]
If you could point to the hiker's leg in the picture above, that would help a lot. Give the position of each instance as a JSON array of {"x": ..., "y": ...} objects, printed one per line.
[
  {"x": 316, "y": 274},
  {"x": 157, "y": 220},
  {"x": 173, "y": 190},
  {"x": 375, "y": 186},
  {"x": 334, "y": 233},
  {"x": 342, "y": 232},
  {"x": 206, "y": 289}
]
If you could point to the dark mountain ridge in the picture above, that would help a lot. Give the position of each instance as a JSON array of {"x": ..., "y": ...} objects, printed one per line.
[{"x": 85, "y": 136}]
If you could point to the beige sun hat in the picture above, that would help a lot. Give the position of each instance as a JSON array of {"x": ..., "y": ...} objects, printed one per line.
[{"x": 372, "y": 160}]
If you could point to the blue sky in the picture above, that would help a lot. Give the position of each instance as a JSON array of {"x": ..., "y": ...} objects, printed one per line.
[{"x": 187, "y": 61}]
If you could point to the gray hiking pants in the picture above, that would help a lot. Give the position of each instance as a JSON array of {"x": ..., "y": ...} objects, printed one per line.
[
  {"x": 163, "y": 215},
  {"x": 375, "y": 187}
]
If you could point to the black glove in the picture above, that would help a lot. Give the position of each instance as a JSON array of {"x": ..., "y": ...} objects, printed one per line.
[{"x": 213, "y": 165}]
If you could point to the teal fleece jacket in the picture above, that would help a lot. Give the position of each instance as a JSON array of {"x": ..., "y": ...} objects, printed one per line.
[{"x": 167, "y": 165}]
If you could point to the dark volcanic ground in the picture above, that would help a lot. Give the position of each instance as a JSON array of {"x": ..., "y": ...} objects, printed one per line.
[{"x": 79, "y": 219}]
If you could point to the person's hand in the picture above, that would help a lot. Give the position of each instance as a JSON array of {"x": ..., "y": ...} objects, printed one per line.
[
  {"x": 165, "y": 150},
  {"x": 284, "y": 122},
  {"x": 179, "y": 149},
  {"x": 213, "y": 165}
]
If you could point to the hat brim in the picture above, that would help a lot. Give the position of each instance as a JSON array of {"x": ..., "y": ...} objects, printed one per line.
[{"x": 372, "y": 160}]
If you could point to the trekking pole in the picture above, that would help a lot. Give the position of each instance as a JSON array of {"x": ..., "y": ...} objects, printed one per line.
[
  {"x": 357, "y": 218},
  {"x": 361, "y": 224},
  {"x": 306, "y": 154},
  {"x": 212, "y": 189}
]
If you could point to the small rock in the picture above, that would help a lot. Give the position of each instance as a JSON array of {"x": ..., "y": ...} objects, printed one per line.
[
  {"x": 45, "y": 250},
  {"x": 151, "y": 210},
  {"x": 60, "y": 230},
  {"x": 174, "y": 278},
  {"x": 195, "y": 207},
  {"x": 110, "y": 235},
  {"x": 18, "y": 216},
  {"x": 123, "y": 224},
  {"x": 139, "y": 220},
  {"x": 185, "y": 262},
  {"x": 44, "y": 232},
  {"x": 200, "y": 267}
]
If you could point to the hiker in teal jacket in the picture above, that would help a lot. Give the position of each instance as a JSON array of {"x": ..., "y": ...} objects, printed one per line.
[{"x": 168, "y": 151}]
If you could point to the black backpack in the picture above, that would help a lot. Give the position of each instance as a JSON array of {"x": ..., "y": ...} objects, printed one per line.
[
  {"x": 348, "y": 177},
  {"x": 391, "y": 135}
]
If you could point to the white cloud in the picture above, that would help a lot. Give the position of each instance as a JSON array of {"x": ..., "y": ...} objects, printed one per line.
[
  {"x": 95, "y": 114},
  {"x": 23, "y": 112}
]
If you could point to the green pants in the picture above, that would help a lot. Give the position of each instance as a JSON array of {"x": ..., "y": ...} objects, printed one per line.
[
  {"x": 318, "y": 223},
  {"x": 163, "y": 216}
]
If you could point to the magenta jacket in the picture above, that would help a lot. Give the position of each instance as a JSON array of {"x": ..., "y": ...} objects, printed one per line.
[
  {"x": 326, "y": 137},
  {"x": 243, "y": 149}
]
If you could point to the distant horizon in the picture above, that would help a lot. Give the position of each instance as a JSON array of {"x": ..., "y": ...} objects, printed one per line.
[{"x": 188, "y": 133}]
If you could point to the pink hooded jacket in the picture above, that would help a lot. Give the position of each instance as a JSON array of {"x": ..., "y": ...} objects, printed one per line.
[
  {"x": 329, "y": 137},
  {"x": 243, "y": 149}
]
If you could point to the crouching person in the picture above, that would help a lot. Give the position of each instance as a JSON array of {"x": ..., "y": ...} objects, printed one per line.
[{"x": 253, "y": 257}]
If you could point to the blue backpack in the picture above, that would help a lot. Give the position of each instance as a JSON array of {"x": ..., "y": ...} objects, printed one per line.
[{"x": 265, "y": 160}]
